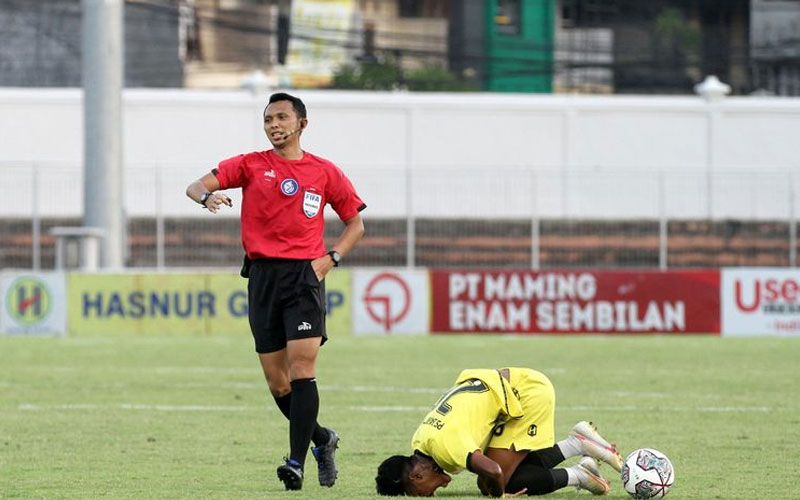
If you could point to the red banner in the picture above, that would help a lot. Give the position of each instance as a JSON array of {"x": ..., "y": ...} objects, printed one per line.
[{"x": 578, "y": 301}]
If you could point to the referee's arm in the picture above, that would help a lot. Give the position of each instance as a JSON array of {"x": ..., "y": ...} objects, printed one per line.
[
  {"x": 353, "y": 231},
  {"x": 207, "y": 184}
]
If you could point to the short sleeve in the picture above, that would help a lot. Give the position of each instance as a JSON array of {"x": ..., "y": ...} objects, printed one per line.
[
  {"x": 451, "y": 451},
  {"x": 342, "y": 196},
  {"x": 231, "y": 173}
]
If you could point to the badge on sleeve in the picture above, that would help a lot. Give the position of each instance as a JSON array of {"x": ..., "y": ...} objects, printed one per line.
[
  {"x": 289, "y": 187},
  {"x": 311, "y": 204}
]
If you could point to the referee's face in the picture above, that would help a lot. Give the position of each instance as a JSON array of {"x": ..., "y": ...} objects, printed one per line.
[{"x": 281, "y": 123}]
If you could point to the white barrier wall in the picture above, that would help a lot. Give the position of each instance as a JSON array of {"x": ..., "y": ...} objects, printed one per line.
[{"x": 575, "y": 154}]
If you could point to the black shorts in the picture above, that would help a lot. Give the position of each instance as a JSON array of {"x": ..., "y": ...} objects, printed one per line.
[{"x": 286, "y": 302}]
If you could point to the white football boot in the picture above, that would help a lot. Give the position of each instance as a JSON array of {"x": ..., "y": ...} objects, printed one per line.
[
  {"x": 593, "y": 445},
  {"x": 589, "y": 477}
]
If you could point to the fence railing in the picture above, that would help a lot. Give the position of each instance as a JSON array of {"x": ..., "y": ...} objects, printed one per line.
[{"x": 489, "y": 216}]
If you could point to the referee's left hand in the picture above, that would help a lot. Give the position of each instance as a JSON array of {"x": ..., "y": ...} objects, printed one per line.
[
  {"x": 216, "y": 200},
  {"x": 321, "y": 266}
]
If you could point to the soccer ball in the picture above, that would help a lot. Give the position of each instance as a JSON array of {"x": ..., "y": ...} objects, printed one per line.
[{"x": 647, "y": 473}]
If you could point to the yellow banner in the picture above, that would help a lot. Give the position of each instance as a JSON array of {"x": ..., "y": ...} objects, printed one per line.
[{"x": 178, "y": 304}]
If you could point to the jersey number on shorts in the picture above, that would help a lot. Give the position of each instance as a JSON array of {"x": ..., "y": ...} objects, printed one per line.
[{"x": 475, "y": 385}]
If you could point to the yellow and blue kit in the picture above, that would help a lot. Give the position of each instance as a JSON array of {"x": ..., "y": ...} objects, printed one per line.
[{"x": 484, "y": 409}]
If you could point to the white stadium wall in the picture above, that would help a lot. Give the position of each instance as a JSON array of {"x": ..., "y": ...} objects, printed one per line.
[{"x": 468, "y": 155}]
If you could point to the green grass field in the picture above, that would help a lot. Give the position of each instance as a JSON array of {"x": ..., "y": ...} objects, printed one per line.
[{"x": 190, "y": 418}]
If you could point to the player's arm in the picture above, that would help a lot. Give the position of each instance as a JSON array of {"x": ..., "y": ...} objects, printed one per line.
[
  {"x": 207, "y": 184},
  {"x": 490, "y": 473}
]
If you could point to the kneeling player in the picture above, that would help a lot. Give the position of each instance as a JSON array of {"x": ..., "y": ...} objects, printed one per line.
[{"x": 498, "y": 424}]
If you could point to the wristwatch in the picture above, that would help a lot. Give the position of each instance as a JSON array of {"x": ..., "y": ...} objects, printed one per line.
[
  {"x": 335, "y": 257},
  {"x": 204, "y": 198}
]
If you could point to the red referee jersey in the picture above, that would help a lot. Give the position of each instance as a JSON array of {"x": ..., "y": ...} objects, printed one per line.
[{"x": 283, "y": 202}]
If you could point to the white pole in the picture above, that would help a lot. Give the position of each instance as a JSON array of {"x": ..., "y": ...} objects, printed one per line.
[
  {"x": 663, "y": 236},
  {"x": 792, "y": 224},
  {"x": 102, "y": 87},
  {"x": 36, "y": 243},
  {"x": 410, "y": 223},
  {"x": 534, "y": 221},
  {"x": 160, "y": 260},
  {"x": 567, "y": 122},
  {"x": 713, "y": 92}
]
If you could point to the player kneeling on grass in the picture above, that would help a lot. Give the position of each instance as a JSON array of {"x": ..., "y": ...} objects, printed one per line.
[{"x": 498, "y": 424}]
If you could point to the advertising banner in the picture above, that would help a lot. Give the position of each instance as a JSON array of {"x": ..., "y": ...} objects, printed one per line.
[
  {"x": 576, "y": 301},
  {"x": 33, "y": 303},
  {"x": 760, "y": 301},
  {"x": 178, "y": 303},
  {"x": 391, "y": 302}
]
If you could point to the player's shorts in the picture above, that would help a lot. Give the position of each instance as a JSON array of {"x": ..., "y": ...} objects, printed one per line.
[
  {"x": 536, "y": 429},
  {"x": 286, "y": 302}
]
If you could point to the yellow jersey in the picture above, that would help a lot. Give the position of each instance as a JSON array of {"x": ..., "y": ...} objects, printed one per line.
[{"x": 463, "y": 419}]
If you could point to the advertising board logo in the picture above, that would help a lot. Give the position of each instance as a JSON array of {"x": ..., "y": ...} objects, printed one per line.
[
  {"x": 781, "y": 296},
  {"x": 28, "y": 301},
  {"x": 387, "y": 299}
]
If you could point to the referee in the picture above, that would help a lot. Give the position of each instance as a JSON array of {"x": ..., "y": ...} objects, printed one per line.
[{"x": 284, "y": 193}]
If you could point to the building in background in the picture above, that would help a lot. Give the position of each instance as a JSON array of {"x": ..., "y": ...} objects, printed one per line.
[
  {"x": 302, "y": 43},
  {"x": 505, "y": 45},
  {"x": 775, "y": 46},
  {"x": 652, "y": 47},
  {"x": 416, "y": 30},
  {"x": 225, "y": 40},
  {"x": 40, "y": 44},
  {"x": 586, "y": 46}
]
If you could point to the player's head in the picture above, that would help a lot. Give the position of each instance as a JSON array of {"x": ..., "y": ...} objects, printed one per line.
[
  {"x": 392, "y": 476},
  {"x": 416, "y": 476},
  {"x": 284, "y": 119}
]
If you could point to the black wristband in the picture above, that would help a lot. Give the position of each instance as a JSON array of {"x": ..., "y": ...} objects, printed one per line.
[
  {"x": 335, "y": 257},
  {"x": 204, "y": 198}
]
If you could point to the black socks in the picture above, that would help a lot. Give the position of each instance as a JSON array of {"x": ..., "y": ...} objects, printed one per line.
[
  {"x": 546, "y": 457},
  {"x": 537, "y": 474},
  {"x": 303, "y": 412},
  {"x": 319, "y": 436},
  {"x": 538, "y": 480}
]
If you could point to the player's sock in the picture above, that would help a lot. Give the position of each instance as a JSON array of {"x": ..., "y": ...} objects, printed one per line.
[
  {"x": 302, "y": 417},
  {"x": 284, "y": 404},
  {"x": 560, "y": 478},
  {"x": 320, "y": 435},
  {"x": 546, "y": 457},
  {"x": 570, "y": 447},
  {"x": 538, "y": 480},
  {"x": 572, "y": 476}
]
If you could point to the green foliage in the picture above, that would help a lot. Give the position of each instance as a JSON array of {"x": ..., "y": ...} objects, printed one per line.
[
  {"x": 190, "y": 418},
  {"x": 431, "y": 78},
  {"x": 368, "y": 76},
  {"x": 673, "y": 30},
  {"x": 386, "y": 74}
]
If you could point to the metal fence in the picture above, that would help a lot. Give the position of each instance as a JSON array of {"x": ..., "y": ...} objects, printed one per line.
[{"x": 488, "y": 217}]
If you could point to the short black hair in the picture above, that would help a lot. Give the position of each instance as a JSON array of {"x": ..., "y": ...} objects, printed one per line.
[
  {"x": 297, "y": 104},
  {"x": 392, "y": 474}
]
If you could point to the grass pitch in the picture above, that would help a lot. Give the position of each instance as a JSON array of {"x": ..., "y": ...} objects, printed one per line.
[{"x": 191, "y": 418}]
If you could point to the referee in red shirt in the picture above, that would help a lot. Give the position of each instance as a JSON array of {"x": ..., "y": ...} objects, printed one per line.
[{"x": 284, "y": 192}]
